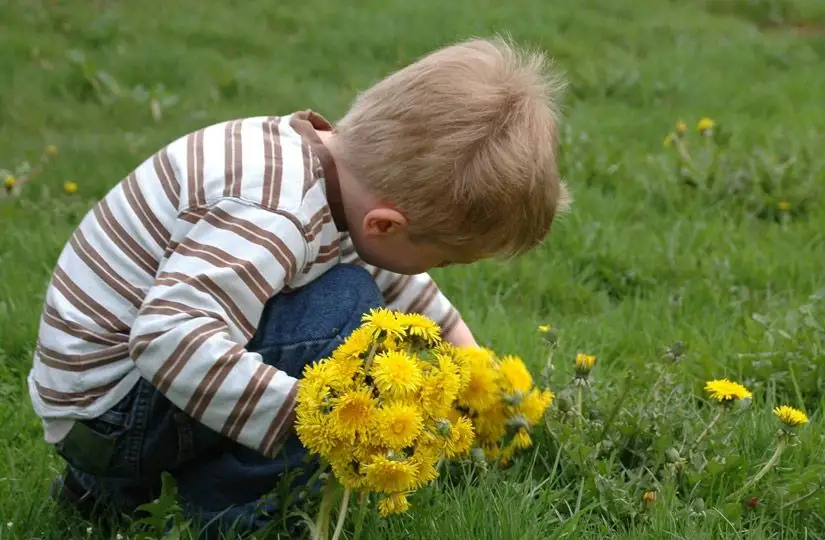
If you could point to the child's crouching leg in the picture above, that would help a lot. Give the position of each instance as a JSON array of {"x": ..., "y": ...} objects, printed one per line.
[{"x": 235, "y": 487}]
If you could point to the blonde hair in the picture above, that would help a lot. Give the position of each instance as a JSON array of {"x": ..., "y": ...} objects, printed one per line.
[{"x": 463, "y": 142}]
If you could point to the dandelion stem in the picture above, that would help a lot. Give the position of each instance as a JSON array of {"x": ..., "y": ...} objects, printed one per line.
[
  {"x": 780, "y": 447},
  {"x": 370, "y": 356},
  {"x": 322, "y": 523},
  {"x": 342, "y": 514},
  {"x": 704, "y": 434},
  {"x": 579, "y": 404},
  {"x": 362, "y": 511}
]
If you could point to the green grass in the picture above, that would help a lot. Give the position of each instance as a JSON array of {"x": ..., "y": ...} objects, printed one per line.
[{"x": 643, "y": 262}]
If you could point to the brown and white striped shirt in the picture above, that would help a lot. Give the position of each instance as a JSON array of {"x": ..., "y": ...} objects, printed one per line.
[{"x": 167, "y": 276}]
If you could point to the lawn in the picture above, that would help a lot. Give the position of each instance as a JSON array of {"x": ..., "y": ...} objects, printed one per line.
[{"x": 670, "y": 272}]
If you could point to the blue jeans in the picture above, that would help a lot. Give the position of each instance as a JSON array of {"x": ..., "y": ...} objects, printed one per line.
[{"x": 218, "y": 480}]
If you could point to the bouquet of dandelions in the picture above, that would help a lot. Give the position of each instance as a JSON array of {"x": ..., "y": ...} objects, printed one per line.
[
  {"x": 394, "y": 401},
  {"x": 378, "y": 412}
]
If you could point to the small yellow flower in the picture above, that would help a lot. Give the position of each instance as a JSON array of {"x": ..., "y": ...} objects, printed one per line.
[
  {"x": 70, "y": 187},
  {"x": 517, "y": 377},
  {"x": 649, "y": 497},
  {"x": 385, "y": 475},
  {"x": 726, "y": 391},
  {"x": 584, "y": 363},
  {"x": 783, "y": 206},
  {"x": 382, "y": 321},
  {"x": 51, "y": 149},
  {"x": 394, "y": 504},
  {"x": 422, "y": 327},
  {"x": 545, "y": 328},
  {"x": 10, "y": 182},
  {"x": 399, "y": 424},
  {"x": 790, "y": 416},
  {"x": 396, "y": 374},
  {"x": 706, "y": 125},
  {"x": 681, "y": 127}
]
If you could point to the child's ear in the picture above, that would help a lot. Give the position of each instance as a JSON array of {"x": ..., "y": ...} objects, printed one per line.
[{"x": 383, "y": 221}]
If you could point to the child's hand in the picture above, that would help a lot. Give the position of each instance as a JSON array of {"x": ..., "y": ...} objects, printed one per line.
[{"x": 461, "y": 336}]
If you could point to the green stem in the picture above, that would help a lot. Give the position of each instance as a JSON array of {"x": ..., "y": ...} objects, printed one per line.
[
  {"x": 370, "y": 356},
  {"x": 707, "y": 430},
  {"x": 579, "y": 404},
  {"x": 322, "y": 523},
  {"x": 342, "y": 515},
  {"x": 780, "y": 447},
  {"x": 362, "y": 511}
]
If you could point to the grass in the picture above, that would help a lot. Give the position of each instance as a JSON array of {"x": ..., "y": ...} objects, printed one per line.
[{"x": 655, "y": 252}]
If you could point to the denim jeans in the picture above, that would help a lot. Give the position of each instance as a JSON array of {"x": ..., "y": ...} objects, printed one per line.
[{"x": 219, "y": 480}]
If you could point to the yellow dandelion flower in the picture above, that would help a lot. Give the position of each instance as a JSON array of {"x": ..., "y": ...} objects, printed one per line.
[
  {"x": 491, "y": 423},
  {"x": 10, "y": 181},
  {"x": 790, "y": 416},
  {"x": 507, "y": 454},
  {"x": 420, "y": 326},
  {"x": 481, "y": 389},
  {"x": 386, "y": 475},
  {"x": 70, "y": 187},
  {"x": 356, "y": 345},
  {"x": 522, "y": 439},
  {"x": 381, "y": 321},
  {"x": 343, "y": 372},
  {"x": 353, "y": 413},
  {"x": 517, "y": 377},
  {"x": 461, "y": 438},
  {"x": 399, "y": 424},
  {"x": 681, "y": 127},
  {"x": 545, "y": 328},
  {"x": 396, "y": 374},
  {"x": 425, "y": 471},
  {"x": 313, "y": 389},
  {"x": 584, "y": 363},
  {"x": 723, "y": 390},
  {"x": 491, "y": 450},
  {"x": 534, "y": 405},
  {"x": 314, "y": 431},
  {"x": 346, "y": 473},
  {"x": 396, "y": 503},
  {"x": 705, "y": 125},
  {"x": 783, "y": 206},
  {"x": 649, "y": 497}
]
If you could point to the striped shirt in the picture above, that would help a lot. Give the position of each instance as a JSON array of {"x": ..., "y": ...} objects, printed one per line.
[{"x": 167, "y": 276}]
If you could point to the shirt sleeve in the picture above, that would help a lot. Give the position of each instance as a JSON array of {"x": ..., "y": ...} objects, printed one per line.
[
  {"x": 416, "y": 293},
  {"x": 190, "y": 333}
]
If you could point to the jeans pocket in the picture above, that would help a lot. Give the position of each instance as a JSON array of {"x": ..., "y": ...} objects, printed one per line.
[{"x": 91, "y": 444}]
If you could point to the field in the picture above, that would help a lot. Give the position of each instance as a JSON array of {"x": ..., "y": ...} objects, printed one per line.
[{"x": 683, "y": 262}]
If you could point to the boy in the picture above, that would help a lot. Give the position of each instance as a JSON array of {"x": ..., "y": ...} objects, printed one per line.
[{"x": 188, "y": 301}]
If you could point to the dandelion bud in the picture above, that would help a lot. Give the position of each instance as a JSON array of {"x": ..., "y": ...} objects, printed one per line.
[
  {"x": 649, "y": 497},
  {"x": 10, "y": 182},
  {"x": 443, "y": 428},
  {"x": 672, "y": 455},
  {"x": 477, "y": 454},
  {"x": 51, "y": 149},
  {"x": 513, "y": 399},
  {"x": 517, "y": 422},
  {"x": 584, "y": 364}
]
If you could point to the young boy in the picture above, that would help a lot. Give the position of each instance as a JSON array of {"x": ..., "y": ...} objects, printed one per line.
[{"x": 188, "y": 301}]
